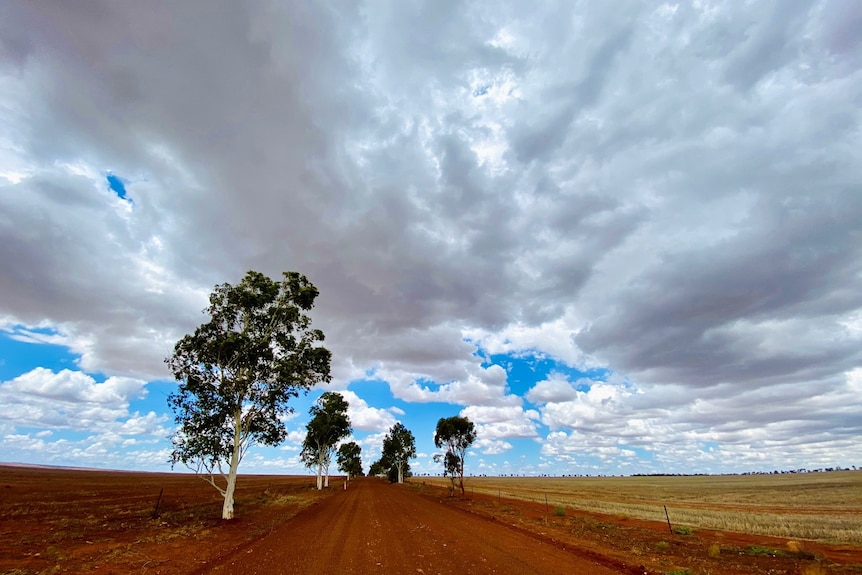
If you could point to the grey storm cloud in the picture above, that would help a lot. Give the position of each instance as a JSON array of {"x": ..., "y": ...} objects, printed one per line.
[{"x": 678, "y": 184}]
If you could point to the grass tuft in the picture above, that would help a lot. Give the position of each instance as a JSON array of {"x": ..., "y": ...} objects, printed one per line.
[
  {"x": 560, "y": 511},
  {"x": 682, "y": 530},
  {"x": 759, "y": 551},
  {"x": 714, "y": 550}
]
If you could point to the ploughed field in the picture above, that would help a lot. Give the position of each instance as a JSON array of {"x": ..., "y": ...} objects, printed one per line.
[{"x": 70, "y": 521}]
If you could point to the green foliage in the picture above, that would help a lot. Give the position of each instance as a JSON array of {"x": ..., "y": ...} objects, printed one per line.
[
  {"x": 349, "y": 460},
  {"x": 399, "y": 446},
  {"x": 685, "y": 571},
  {"x": 238, "y": 370},
  {"x": 682, "y": 530},
  {"x": 560, "y": 511},
  {"x": 662, "y": 545},
  {"x": 757, "y": 550},
  {"x": 457, "y": 434},
  {"x": 379, "y": 467},
  {"x": 328, "y": 425}
]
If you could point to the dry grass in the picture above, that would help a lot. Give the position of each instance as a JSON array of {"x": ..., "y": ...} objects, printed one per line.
[
  {"x": 714, "y": 550},
  {"x": 814, "y": 569},
  {"x": 815, "y": 506}
]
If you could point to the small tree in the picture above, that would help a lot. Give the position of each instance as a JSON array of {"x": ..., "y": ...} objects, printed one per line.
[
  {"x": 379, "y": 467},
  {"x": 457, "y": 434},
  {"x": 451, "y": 465},
  {"x": 329, "y": 424},
  {"x": 237, "y": 372},
  {"x": 348, "y": 459},
  {"x": 399, "y": 446}
]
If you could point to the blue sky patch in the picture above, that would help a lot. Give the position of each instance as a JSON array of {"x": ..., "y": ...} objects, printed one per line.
[{"x": 116, "y": 185}]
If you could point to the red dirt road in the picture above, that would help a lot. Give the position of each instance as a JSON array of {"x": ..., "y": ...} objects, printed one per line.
[{"x": 374, "y": 527}]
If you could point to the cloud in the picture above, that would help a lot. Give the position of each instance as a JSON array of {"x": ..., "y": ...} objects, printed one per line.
[
  {"x": 463, "y": 382},
  {"x": 496, "y": 422},
  {"x": 492, "y": 446},
  {"x": 556, "y": 388},
  {"x": 74, "y": 387},
  {"x": 73, "y": 400},
  {"x": 364, "y": 417},
  {"x": 667, "y": 193}
]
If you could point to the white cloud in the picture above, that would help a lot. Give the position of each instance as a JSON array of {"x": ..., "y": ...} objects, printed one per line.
[
  {"x": 492, "y": 446},
  {"x": 668, "y": 194},
  {"x": 106, "y": 450},
  {"x": 74, "y": 386},
  {"x": 472, "y": 384},
  {"x": 71, "y": 400},
  {"x": 554, "y": 338},
  {"x": 364, "y": 417},
  {"x": 555, "y": 388},
  {"x": 494, "y": 422}
]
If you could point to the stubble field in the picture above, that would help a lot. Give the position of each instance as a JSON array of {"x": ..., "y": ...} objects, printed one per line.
[{"x": 825, "y": 507}]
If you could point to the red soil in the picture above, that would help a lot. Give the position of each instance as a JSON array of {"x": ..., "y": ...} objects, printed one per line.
[{"x": 54, "y": 521}]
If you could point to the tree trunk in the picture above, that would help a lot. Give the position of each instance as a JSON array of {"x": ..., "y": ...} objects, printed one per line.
[
  {"x": 227, "y": 508},
  {"x": 401, "y": 473},
  {"x": 326, "y": 483},
  {"x": 319, "y": 475},
  {"x": 461, "y": 473}
]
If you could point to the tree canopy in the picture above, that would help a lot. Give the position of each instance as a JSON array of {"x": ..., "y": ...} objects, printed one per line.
[
  {"x": 457, "y": 434},
  {"x": 399, "y": 446},
  {"x": 328, "y": 425},
  {"x": 379, "y": 467},
  {"x": 238, "y": 371},
  {"x": 348, "y": 458}
]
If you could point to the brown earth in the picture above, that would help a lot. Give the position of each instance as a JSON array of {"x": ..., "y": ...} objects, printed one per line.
[{"x": 68, "y": 521}]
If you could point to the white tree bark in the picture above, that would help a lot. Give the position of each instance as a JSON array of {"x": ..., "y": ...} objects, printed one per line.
[{"x": 235, "y": 456}]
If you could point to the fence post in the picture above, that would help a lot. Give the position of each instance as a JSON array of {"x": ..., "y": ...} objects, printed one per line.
[{"x": 158, "y": 502}]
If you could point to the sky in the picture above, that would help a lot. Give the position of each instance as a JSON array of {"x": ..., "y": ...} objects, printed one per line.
[{"x": 620, "y": 237}]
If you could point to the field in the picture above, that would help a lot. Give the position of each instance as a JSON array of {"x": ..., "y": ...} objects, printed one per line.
[
  {"x": 59, "y": 520},
  {"x": 824, "y": 507},
  {"x": 68, "y": 521}
]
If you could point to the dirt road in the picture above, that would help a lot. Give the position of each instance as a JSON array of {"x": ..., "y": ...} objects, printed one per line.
[{"x": 374, "y": 527}]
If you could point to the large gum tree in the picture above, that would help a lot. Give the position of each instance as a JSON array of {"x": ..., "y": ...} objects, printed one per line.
[{"x": 238, "y": 371}]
